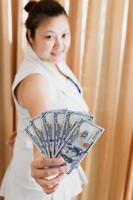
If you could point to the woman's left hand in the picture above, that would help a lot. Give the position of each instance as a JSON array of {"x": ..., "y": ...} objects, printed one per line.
[{"x": 11, "y": 139}]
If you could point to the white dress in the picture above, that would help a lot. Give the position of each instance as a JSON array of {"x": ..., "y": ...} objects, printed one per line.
[{"x": 18, "y": 183}]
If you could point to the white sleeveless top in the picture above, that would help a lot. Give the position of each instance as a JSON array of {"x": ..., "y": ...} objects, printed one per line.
[{"x": 18, "y": 183}]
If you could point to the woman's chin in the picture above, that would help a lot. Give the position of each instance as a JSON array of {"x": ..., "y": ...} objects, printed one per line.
[{"x": 57, "y": 59}]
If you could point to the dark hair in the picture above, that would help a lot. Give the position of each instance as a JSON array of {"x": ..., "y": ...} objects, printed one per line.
[{"x": 40, "y": 10}]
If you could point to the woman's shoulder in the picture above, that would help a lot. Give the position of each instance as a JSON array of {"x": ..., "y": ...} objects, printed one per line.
[
  {"x": 33, "y": 89},
  {"x": 27, "y": 69}
]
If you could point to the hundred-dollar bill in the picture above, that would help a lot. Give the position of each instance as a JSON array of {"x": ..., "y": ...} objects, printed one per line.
[
  {"x": 48, "y": 122},
  {"x": 38, "y": 127},
  {"x": 72, "y": 118},
  {"x": 59, "y": 120},
  {"x": 64, "y": 133},
  {"x": 48, "y": 118},
  {"x": 82, "y": 138},
  {"x": 35, "y": 139}
]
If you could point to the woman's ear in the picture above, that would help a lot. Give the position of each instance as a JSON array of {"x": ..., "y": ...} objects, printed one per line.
[{"x": 30, "y": 39}]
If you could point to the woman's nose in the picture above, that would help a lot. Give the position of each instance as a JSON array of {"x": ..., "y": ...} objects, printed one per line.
[{"x": 58, "y": 43}]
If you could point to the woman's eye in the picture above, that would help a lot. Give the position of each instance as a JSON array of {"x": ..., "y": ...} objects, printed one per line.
[
  {"x": 65, "y": 35},
  {"x": 49, "y": 37}
]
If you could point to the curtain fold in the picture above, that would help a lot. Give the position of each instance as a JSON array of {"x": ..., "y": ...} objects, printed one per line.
[
  {"x": 6, "y": 109},
  {"x": 128, "y": 193},
  {"x": 105, "y": 79},
  {"x": 17, "y": 8},
  {"x": 2, "y": 133},
  {"x": 75, "y": 17}
]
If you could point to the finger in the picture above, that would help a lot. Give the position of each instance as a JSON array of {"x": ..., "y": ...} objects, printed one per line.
[
  {"x": 11, "y": 137},
  {"x": 55, "y": 166},
  {"x": 42, "y": 173},
  {"x": 11, "y": 141},
  {"x": 44, "y": 162},
  {"x": 41, "y": 162},
  {"x": 50, "y": 183},
  {"x": 38, "y": 163},
  {"x": 63, "y": 168},
  {"x": 53, "y": 161},
  {"x": 40, "y": 167}
]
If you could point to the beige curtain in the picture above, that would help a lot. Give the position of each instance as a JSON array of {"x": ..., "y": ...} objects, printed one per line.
[
  {"x": 6, "y": 107},
  {"x": 106, "y": 73}
]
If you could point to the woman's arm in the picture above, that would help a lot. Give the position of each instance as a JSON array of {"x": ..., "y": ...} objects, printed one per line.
[{"x": 33, "y": 94}]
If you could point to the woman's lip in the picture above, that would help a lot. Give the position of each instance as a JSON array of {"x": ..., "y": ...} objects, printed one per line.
[{"x": 57, "y": 54}]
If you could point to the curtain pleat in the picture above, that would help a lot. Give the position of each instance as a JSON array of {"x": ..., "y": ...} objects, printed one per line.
[
  {"x": 2, "y": 132},
  {"x": 128, "y": 193},
  {"x": 17, "y": 9},
  {"x": 75, "y": 17},
  {"x": 105, "y": 78},
  {"x": 6, "y": 109}
]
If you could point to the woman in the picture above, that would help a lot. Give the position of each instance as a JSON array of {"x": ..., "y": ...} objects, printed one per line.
[{"x": 43, "y": 82}]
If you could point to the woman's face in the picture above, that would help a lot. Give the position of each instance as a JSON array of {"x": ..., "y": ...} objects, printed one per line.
[{"x": 52, "y": 39}]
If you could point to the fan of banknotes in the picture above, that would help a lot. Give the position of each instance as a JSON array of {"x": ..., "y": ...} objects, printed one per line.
[{"x": 64, "y": 133}]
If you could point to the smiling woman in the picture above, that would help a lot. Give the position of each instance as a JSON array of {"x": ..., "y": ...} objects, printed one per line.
[
  {"x": 48, "y": 39},
  {"x": 43, "y": 82},
  {"x": 105, "y": 69}
]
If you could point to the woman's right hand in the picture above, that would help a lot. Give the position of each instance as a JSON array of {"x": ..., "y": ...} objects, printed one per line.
[{"x": 48, "y": 177}]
